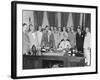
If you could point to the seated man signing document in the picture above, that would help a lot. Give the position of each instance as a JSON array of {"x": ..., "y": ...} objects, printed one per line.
[{"x": 65, "y": 43}]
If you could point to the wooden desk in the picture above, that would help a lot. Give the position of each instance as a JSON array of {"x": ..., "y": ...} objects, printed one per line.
[{"x": 36, "y": 62}]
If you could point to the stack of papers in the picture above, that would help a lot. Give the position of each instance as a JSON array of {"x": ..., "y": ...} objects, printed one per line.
[{"x": 53, "y": 54}]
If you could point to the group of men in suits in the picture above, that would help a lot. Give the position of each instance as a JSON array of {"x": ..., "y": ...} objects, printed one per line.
[{"x": 54, "y": 37}]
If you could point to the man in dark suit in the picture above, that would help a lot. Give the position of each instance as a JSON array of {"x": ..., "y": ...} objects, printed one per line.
[{"x": 79, "y": 40}]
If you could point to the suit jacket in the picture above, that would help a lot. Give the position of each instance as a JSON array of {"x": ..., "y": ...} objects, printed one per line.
[
  {"x": 80, "y": 41},
  {"x": 56, "y": 38},
  {"x": 33, "y": 39},
  {"x": 72, "y": 38},
  {"x": 25, "y": 43},
  {"x": 51, "y": 40},
  {"x": 39, "y": 38},
  {"x": 44, "y": 39}
]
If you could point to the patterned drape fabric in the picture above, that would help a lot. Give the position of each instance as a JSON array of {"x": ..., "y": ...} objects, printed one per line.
[
  {"x": 64, "y": 19},
  {"x": 52, "y": 19},
  {"x": 38, "y": 18},
  {"x": 76, "y": 19}
]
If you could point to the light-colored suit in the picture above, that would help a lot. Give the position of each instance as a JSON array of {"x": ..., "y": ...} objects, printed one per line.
[
  {"x": 25, "y": 43},
  {"x": 33, "y": 39},
  {"x": 87, "y": 47},
  {"x": 39, "y": 38},
  {"x": 72, "y": 38},
  {"x": 56, "y": 37}
]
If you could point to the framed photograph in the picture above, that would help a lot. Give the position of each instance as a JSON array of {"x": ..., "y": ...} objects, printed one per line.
[{"x": 50, "y": 39}]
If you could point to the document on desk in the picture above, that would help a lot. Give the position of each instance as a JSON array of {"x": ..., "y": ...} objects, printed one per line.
[{"x": 54, "y": 54}]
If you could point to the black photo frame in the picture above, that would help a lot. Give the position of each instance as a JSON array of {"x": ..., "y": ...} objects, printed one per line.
[{"x": 14, "y": 38}]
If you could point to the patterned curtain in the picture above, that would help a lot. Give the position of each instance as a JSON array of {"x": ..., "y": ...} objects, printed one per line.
[
  {"x": 64, "y": 19},
  {"x": 88, "y": 20},
  {"x": 38, "y": 18},
  {"x": 76, "y": 19},
  {"x": 52, "y": 18}
]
